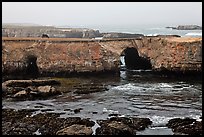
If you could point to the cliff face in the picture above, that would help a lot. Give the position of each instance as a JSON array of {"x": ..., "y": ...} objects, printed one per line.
[
  {"x": 82, "y": 55},
  {"x": 175, "y": 54},
  {"x": 52, "y": 32}
]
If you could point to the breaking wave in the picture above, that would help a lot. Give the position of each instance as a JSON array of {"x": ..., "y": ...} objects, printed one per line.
[{"x": 194, "y": 34}]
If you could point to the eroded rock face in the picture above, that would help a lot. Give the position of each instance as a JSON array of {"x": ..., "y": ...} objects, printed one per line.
[
  {"x": 63, "y": 56},
  {"x": 185, "y": 126}
]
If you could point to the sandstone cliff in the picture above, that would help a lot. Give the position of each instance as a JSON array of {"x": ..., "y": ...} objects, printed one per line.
[{"x": 65, "y": 56}]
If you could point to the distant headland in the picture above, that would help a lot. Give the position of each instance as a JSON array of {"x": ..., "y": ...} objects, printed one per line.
[{"x": 186, "y": 27}]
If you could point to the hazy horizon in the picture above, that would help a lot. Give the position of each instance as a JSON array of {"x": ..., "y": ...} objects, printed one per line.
[{"x": 103, "y": 13}]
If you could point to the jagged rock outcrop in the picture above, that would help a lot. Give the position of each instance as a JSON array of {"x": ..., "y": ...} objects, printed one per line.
[{"x": 187, "y": 27}]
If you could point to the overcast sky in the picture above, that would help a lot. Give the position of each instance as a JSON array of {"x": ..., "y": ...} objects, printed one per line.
[{"x": 102, "y": 13}]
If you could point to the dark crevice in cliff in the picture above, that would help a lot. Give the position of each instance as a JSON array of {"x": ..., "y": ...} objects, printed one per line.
[
  {"x": 134, "y": 61},
  {"x": 32, "y": 68}
]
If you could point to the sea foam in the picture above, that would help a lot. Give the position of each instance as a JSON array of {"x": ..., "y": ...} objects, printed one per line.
[{"x": 193, "y": 34}]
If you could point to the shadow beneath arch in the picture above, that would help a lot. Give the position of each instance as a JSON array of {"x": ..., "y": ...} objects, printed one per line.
[
  {"x": 134, "y": 61},
  {"x": 32, "y": 68}
]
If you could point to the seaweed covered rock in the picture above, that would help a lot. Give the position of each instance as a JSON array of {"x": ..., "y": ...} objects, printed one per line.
[
  {"x": 187, "y": 126},
  {"x": 122, "y": 125},
  {"x": 23, "y": 122}
]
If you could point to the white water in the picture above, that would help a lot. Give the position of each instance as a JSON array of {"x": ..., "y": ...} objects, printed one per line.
[{"x": 147, "y": 30}]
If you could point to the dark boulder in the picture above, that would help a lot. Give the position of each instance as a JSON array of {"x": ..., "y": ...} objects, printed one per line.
[
  {"x": 185, "y": 126},
  {"x": 122, "y": 125},
  {"x": 45, "y": 36}
]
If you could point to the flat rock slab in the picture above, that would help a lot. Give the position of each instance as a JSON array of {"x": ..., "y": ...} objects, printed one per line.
[{"x": 26, "y": 83}]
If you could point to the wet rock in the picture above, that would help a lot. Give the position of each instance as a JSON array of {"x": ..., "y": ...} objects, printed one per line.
[
  {"x": 67, "y": 109},
  {"x": 113, "y": 115},
  {"x": 32, "y": 93},
  {"x": 75, "y": 129},
  {"x": 21, "y": 94},
  {"x": 38, "y": 106},
  {"x": 122, "y": 125},
  {"x": 185, "y": 126},
  {"x": 179, "y": 122},
  {"x": 44, "y": 110},
  {"x": 22, "y": 122},
  {"x": 10, "y": 90},
  {"x": 44, "y": 89},
  {"x": 32, "y": 88},
  {"x": 77, "y": 110},
  {"x": 47, "y": 90},
  {"x": 114, "y": 128},
  {"x": 29, "y": 89},
  {"x": 26, "y": 83},
  {"x": 12, "y": 125},
  {"x": 3, "y": 88},
  {"x": 89, "y": 88}
]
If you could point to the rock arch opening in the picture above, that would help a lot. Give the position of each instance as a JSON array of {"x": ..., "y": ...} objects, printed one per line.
[
  {"x": 32, "y": 68},
  {"x": 130, "y": 59}
]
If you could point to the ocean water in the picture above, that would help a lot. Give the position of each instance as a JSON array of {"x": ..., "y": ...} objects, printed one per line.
[{"x": 147, "y": 30}]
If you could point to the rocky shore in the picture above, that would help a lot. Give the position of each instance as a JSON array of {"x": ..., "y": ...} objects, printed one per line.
[
  {"x": 42, "y": 122},
  {"x": 26, "y": 122}
]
